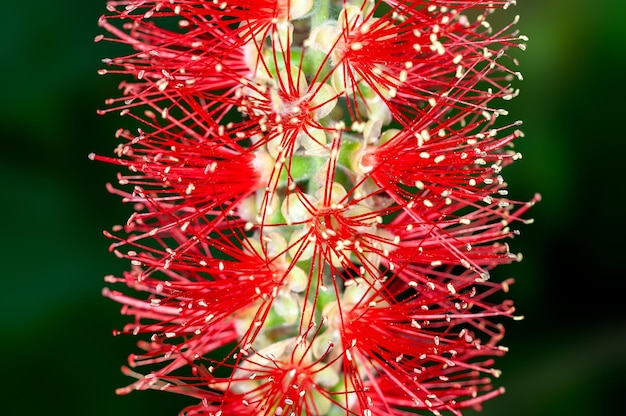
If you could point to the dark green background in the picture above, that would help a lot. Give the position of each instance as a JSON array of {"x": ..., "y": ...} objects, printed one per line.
[{"x": 58, "y": 356}]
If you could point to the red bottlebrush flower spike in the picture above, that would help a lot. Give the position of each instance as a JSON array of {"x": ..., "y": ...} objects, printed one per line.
[{"x": 318, "y": 202}]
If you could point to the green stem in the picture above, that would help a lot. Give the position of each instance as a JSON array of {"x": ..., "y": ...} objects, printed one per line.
[
  {"x": 302, "y": 168},
  {"x": 321, "y": 12}
]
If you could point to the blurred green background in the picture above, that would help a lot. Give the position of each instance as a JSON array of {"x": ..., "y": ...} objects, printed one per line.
[{"x": 567, "y": 356}]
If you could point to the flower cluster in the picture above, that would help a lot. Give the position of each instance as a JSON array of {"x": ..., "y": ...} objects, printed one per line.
[{"x": 318, "y": 201}]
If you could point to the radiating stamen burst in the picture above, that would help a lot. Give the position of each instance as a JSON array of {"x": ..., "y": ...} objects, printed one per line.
[{"x": 318, "y": 199}]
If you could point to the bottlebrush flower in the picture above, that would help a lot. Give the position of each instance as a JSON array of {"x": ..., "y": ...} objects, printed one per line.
[{"x": 318, "y": 202}]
